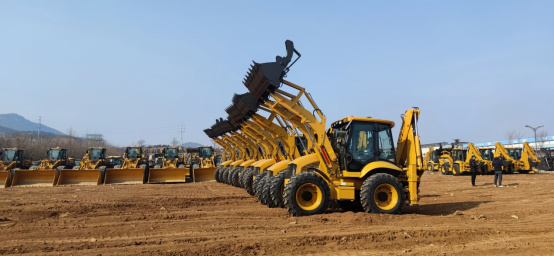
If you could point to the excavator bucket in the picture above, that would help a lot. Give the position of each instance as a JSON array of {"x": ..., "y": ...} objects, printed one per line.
[
  {"x": 263, "y": 79},
  {"x": 5, "y": 179},
  {"x": 169, "y": 175},
  {"x": 35, "y": 178},
  {"x": 125, "y": 176},
  {"x": 87, "y": 177},
  {"x": 203, "y": 174}
]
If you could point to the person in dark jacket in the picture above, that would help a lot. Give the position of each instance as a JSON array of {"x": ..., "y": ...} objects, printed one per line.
[
  {"x": 473, "y": 165},
  {"x": 497, "y": 164}
]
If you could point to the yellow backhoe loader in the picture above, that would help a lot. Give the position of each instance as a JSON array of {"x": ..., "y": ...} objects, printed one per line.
[
  {"x": 90, "y": 171},
  {"x": 431, "y": 160},
  {"x": 355, "y": 161},
  {"x": 12, "y": 159},
  {"x": 134, "y": 170},
  {"x": 46, "y": 174},
  {"x": 457, "y": 160},
  {"x": 171, "y": 169},
  {"x": 521, "y": 160}
]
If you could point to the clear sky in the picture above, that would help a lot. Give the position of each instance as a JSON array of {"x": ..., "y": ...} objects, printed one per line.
[{"x": 135, "y": 70}]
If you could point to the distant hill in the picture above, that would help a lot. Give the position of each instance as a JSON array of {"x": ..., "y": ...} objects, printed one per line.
[
  {"x": 18, "y": 123},
  {"x": 191, "y": 145},
  {"x": 5, "y": 130}
]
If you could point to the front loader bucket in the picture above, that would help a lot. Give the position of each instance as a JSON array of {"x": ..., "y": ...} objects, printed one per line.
[
  {"x": 5, "y": 179},
  {"x": 35, "y": 178},
  {"x": 87, "y": 177},
  {"x": 169, "y": 175},
  {"x": 124, "y": 176},
  {"x": 203, "y": 174},
  {"x": 263, "y": 79}
]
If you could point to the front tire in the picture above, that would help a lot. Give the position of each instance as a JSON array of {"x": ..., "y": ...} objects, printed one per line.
[
  {"x": 430, "y": 167},
  {"x": 382, "y": 193},
  {"x": 306, "y": 194},
  {"x": 456, "y": 170}
]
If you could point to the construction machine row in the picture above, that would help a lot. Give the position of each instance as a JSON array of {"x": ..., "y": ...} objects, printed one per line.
[
  {"x": 96, "y": 168},
  {"x": 455, "y": 160},
  {"x": 279, "y": 149}
]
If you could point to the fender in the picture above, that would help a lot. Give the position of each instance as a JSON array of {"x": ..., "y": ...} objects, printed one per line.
[
  {"x": 370, "y": 167},
  {"x": 237, "y": 163},
  {"x": 265, "y": 164},
  {"x": 278, "y": 167},
  {"x": 247, "y": 163},
  {"x": 226, "y": 163},
  {"x": 304, "y": 161}
]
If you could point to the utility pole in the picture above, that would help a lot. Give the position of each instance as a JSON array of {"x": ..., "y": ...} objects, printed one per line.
[
  {"x": 535, "y": 131},
  {"x": 39, "y": 124},
  {"x": 182, "y": 131}
]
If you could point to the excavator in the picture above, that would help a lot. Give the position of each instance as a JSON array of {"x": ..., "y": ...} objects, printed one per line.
[
  {"x": 354, "y": 161},
  {"x": 521, "y": 160},
  {"x": 12, "y": 158},
  {"x": 172, "y": 168},
  {"x": 46, "y": 174},
  {"x": 90, "y": 171},
  {"x": 133, "y": 171}
]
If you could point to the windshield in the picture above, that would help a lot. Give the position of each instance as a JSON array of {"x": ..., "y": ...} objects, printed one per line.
[
  {"x": 459, "y": 155},
  {"x": 54, "y": 154},
  {"x": 10, "y": 155},
  {"x": 206, "y": 152},
  {"x": 96, "y": 154},
  {"x": 133, "y": 153},
  {"x": 170, "y": 153}
]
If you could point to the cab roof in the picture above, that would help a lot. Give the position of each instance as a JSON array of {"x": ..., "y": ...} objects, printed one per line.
[{"x": 348, "y": 119}]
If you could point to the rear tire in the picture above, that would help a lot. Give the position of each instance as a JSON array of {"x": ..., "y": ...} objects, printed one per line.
[
  {"x": 307, "y": 193},
  {"x": 445, "y": 169},
  {"x": 260, "y": 186},
  {"x": 257, "y": 180},
  {"x": 266, "y": 196},
  {"x": 247, "y": 181},
  {"x": 235, "y": 177},
  {"x": 216, "y": 174},
  {"x": 382, "y": 193}
]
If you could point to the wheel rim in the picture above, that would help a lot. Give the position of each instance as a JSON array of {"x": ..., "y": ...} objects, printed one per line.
[
  {"x": 385, "y": 196},
  {"x": 309, "y": 196}
]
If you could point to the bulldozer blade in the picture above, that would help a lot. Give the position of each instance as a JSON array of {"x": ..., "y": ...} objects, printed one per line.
[
  {"x": 87, "y": 177},
  {"x": 5, "y": 179},
  {"x": 169, "y": 175},
  {"x": 203, "y": 174},
  {"x": 124, "y": 176},
  {"x": 35, "y": 178}
]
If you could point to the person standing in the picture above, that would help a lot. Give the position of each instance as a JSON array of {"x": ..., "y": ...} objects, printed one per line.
[
  {"x": 473, "y": 165},
  {"x": 497, "y": 164}
]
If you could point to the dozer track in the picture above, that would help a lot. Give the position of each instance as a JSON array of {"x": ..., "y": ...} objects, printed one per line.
[
  {"x": 169, "y": 175},
  {"x": 126, "y": 176},
  {"x": 86, "y": 177},
  {"x": 35, "y": 178}
]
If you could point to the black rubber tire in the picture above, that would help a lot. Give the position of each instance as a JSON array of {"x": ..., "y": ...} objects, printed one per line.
[
  {"x": 235, "y": 176},
  {"x": 247, "y": 181},
  {"x": 303, "y": 182},
  {"x": 228, "y": 175},
  {"x": 255, "y": 184},
  {"x": 430, "y": 167},
  {"x": 266, "y": 195},
  {"x": 277, "y": 189},
  {"x": 445, "y": 169},
  {"x": 216, "y": 174},
  {"x": 225, "y": 174},
  {"x": 382, "y": 181},
  {"x": 456, "y": 170},
  {"x": 222, "y": 174},
  {"x": 260, "y": 186}
]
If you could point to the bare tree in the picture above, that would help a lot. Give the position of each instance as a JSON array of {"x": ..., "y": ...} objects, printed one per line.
[
  {"x": 141, "y": 143},
  {"x": 541, "y": 137},
  {"x": 514, "y": 135}
]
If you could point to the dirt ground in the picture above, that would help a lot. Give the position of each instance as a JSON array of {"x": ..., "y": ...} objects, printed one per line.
[{"x": 210, "y": 218}]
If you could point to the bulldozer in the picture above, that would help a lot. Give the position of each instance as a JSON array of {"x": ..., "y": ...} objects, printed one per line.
[
  {"x": 171, "y": 169},
  {"x": 354, "y": 162},
  {"x": 12, "y": 159},
  {"x": 202, "y": 163},
  {"x": 133, "y": 171},
  {"x": 46, "y": 174},
  {"x": 90, "y": 171}
]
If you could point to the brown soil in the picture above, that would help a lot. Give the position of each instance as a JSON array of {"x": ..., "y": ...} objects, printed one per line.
[{"x": 211, "y": 218}]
